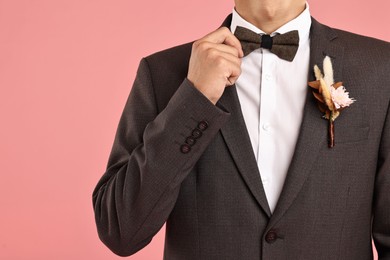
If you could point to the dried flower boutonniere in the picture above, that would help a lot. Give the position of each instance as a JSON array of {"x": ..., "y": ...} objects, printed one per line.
[{"x": 332, "y": 97}]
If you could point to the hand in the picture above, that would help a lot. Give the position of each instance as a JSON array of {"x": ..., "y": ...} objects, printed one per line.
[{"x": 215, "y": 63}]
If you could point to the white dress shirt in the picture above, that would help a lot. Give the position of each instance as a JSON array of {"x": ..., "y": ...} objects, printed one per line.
[{"x": 272, "y": 94}]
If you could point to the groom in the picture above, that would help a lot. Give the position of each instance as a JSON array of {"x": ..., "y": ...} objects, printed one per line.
[{"x": 224, "y": 142}]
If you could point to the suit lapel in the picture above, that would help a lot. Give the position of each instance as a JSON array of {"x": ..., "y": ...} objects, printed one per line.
[
  {"x": 313, "y": 132},
  {"x": 312, "y": 136},
  {"x": 237, "y": 139}
]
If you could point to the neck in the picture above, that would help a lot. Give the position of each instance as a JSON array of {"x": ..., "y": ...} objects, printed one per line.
[{"x": 269, "y": 15}]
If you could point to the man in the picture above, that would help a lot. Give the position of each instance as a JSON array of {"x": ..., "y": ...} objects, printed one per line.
[{"x": 231, "y": 151}]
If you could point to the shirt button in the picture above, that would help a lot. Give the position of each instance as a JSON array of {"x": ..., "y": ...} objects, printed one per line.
[
  {"x": 265, "y": 180},
  {"x": 266, "y": 127},
  {"x": 268, "y": 77}
]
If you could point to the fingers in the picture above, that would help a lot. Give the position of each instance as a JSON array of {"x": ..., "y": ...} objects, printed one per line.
[
  {"x": 235, "y": 71},
  {"x": 225, "y": 36},
  {"x": 205, "y": 46},
  {"x": 215, "y": 63},
  {"x": 229, "y": 66},
  {"x": 229, "y": 61},
  {"x": 225, "y": 59}
]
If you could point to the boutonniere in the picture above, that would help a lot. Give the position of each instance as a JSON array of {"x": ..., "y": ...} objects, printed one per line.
[{"x": 332, "y": 97}]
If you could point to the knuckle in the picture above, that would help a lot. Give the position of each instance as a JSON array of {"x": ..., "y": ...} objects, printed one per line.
[
  {"x": 238, "y": 67},
  {"x": 220, "y": 61},
  {"x": 225, "y": 29},
  {"x": 203, "y": 46},
  {"x": 196, "y": 44},
  {"x": 212, "y": 54},
  {"x": 234, "y": 50}
]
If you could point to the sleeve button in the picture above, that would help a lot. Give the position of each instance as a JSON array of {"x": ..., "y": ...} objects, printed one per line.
[
  {"x": 190, "y": 141},
  {"x": 185, "y": 148},
  {"x": 203, "y": 125},
  {"x": 196, "y": 133}
]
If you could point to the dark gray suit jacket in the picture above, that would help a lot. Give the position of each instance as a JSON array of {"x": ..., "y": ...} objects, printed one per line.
[{"x": 210, "y": 194}]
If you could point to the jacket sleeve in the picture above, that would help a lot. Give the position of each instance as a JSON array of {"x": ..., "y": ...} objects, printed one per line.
[
  {"x": 381, "y": 206},
  {"x": 148, "y": 161}
]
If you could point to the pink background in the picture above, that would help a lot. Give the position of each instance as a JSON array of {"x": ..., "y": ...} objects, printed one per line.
[{"x": 66, "y": 68}]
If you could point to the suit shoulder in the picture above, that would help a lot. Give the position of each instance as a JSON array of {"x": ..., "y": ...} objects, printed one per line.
[
  {"x": 352, "y": 41},
  {"x": 166, "y": 70},
  {"x": 170, "y": 63},
  {"x": 176, "y": 54},
  {"x": 367, "y": 56},
  {"x": 367, "y": 50},
  {"x": 362, "y": 41}
]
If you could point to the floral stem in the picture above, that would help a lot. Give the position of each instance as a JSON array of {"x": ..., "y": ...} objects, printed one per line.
[{"x": 331, "y": 131}]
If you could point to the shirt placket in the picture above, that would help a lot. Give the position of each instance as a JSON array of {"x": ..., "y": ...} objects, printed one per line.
[{"x": 266, "y": 147}]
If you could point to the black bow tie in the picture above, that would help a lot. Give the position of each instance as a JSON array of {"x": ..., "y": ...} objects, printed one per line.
[{"x": 285, "y": 46}]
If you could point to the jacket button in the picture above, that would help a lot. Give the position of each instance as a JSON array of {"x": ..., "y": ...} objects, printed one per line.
[
  {"x": 196, "y": 133},
  {"x": 190, "y": 141},
  {"x": 185, "y": 148},
  {"x": 271, "y": 236},
  {"x": 203, "y": 125}
]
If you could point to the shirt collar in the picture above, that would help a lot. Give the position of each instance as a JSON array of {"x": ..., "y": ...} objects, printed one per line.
[{"x": 302, "y": 23}]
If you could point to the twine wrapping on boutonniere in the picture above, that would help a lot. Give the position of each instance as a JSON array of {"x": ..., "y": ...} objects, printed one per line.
[{"x": 332, "y": 97}]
